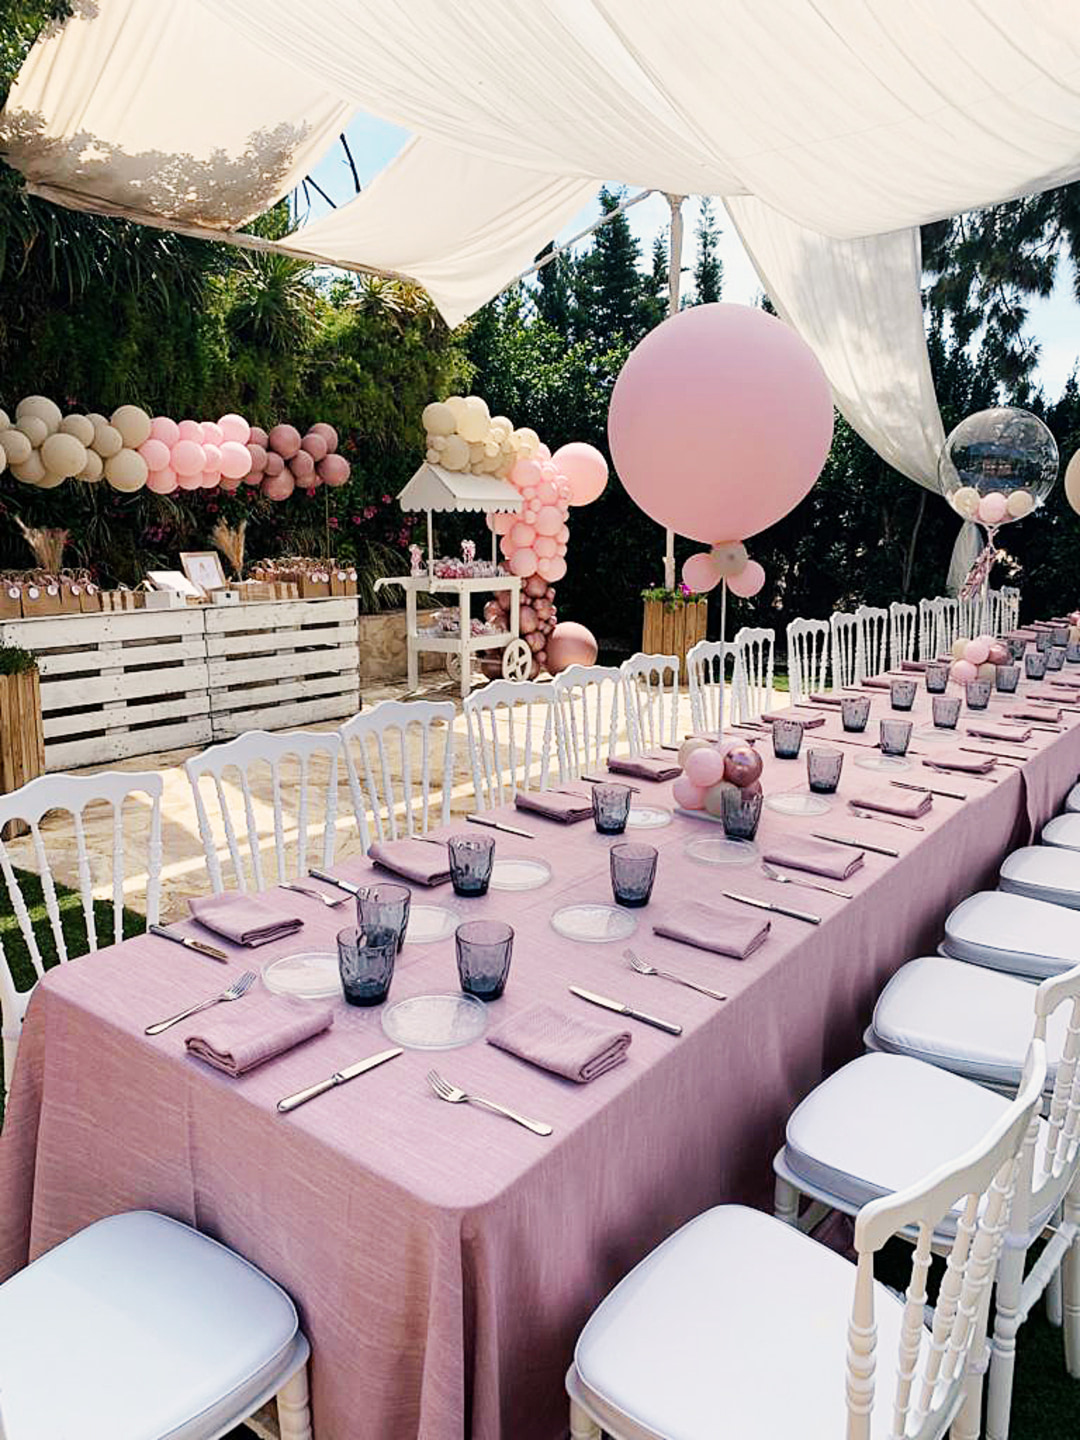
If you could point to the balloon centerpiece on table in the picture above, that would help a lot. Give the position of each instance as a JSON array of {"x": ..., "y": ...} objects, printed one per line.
[
  {"x": 711, "y": 768},
  {"x": 997, "y": 466},
  {"x": 720, "y": 422},
  {"x": 977, "y": 659}
]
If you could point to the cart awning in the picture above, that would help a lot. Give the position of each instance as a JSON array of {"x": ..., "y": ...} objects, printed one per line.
[{"x": 434, "y": 488}]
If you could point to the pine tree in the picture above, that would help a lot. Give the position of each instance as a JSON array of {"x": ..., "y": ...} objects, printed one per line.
[
  {"x": 610, "y": 293},
  {"x": 554, "y": 293},
  {"x": 708, "y": 268},
  {"x": 654, "y": 304}
]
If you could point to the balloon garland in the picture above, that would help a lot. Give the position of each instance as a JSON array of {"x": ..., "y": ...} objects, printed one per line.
[{"x": 130, "y": 450}]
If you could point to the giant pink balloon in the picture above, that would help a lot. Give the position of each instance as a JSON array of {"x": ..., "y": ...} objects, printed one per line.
[
  {"x": 570, "y": 644},
  {"x": 552, "y": 570},
  {"x": 749, "y": 580},
  {"x": 302, "y": 466},
  {"x": 584, "y": 469},
  {"x": 212, "y": 453},
  {"x": 229, "y": 483},
  {"x": 545, "y": 547},
  {"x": 334, "y": 469},
  {"x": 720, "y": 420},
  {"x": 258, "y": 437},
  {"x": 701, "y": 574},
  {"x": 212, "y": 434},
  {"x": 687, "y": 794},
  {"x": 705, "y": 767},
  {"x": 501, "y": 522}
]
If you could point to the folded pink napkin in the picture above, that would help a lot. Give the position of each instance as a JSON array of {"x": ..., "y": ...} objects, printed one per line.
[
  {"x": 1062, "y": 683},
  {"x": 960, "y": 761},
  {"x": 243, "y": 919},
  {"x": 1049, "y": 713},
  {"x": 1017, "y": 734},
  {"x": 646, "y": 767},
  {"x": 554, "y": 805},
  {"x": 836, "y": 700},
  {"x": 806, "y": 718},
  {"x": 879, "y": 682},
  {"x": 237, "y": 1037},
  {"x": 817, "y": 857},
  {"x": 568, "y": 1045},
  {"x": 725, "y": 928},
  {"x": 418, "y": 860},
  {"x": 914, "y": 664},
  {"x": 908, "y": 806}
]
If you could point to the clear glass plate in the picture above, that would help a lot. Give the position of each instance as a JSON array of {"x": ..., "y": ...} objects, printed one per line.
[
  {"x": 798, "y": 802},
  {"x": 708, "y": 850},
  {"x": 435, "y": 1022},
  {"x": 520, "y": 874},
  {"x": 883, "y": 762},
  {"x": 430, "y": 922},
  {"x": 312, "y": 975},
  {"x": 936, "y": 736},
  {"x": 648, "y": 817},
  {"x": 594, "y": 924}
]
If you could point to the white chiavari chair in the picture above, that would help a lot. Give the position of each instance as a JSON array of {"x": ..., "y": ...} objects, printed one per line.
[
  {"x": 847, "y": 658},
  {"x": 133, "y": 798},
  {"x": 969, "y": 617},
  {"x": 1010, "y": 607},
  {"x": 412, "y": 740},
  {"x": 808, "y": 647},
  {"x": 928, "y": 629},
  {"x": 948, "y": 629},
  {"x": 252, "y": 776},
  {"x": 591, "y": 702},
  {"x": 717, "y": 694},
  {"x": 651, "y": 700},
  {"x": 873, "y": 632},
  {"x": 515, "y": 739},
  {"x": 755, "y": 647},
  {"x": 147, "y": 1357},
  {"x": 648, "y": 1362},
  {"x": 903, "y": 628}
]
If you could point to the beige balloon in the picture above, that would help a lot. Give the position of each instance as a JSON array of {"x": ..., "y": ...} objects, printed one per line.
[
  {"x": 476, "y": 452},
  {"x": 475, "y": 421},
  {"x": 437, "y": 442},
  {"x": 42, "y": 407},
  {"x": 502, "y": 427},
  {"x": 491, "y": 448},
  {"x": 17, "y": 446},
  {"x": 1020, "y": 503},
  {"x": 3, "y": 460},
  {"x": 50, "y": 480},
  {"x": 96, "y": 419},
  {"x": 1074, "y": 632},
  {"x": 432, "y": 456},
  {"x": 34, "y": 428},
  {"x": 965, "y": 501},
  {"x": 94, "y": 469},
  {"x": 63, "y": 455},
  {"x": 126, "y": 470},
  {"x": 455, "y": 455},
  {"x": 988, "y": 672},
  {"x": 133, "y": 424},
  {"x": 107, "y": 440},
  {"x": 81, "y": 426},
  {"x": 456, "y": 405},
  {"x": 1072, "y": 482},
  {"x": 30, "y": 471},
  {"x": 5, "y": 423},
  {"x": 438, "y": 419},
  {"x": 958, "y": 647}
]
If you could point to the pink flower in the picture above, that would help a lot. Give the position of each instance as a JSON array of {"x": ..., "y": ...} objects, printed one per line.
[
  {"x": 369, "y": 512},
  {"x": 387, "y": 499},
  {"x": 332, "y": 522},
  {"x": 356, "y": 520}
]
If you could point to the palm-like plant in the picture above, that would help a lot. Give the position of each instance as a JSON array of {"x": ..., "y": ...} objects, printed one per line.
[{"x": 276, "y": 305}]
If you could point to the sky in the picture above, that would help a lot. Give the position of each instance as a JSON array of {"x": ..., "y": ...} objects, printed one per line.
[{"x": 1054, "y": 322}]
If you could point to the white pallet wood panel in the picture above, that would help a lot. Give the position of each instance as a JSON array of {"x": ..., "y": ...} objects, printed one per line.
[
  {"x": 156, "y": 654},
  {"x": 344, "y": 659},
  {"x": 255, "y": 697},
  {"x": 281, "y": 717},
  {"x": 264, "y": 642},
  {"x": 55, "y": 632},
  {"x": 124, "y": 716},
  {"x": 280, "y": 614},
  {"x": 125, "y": 685},
  {"x": 105, "y": 749}
]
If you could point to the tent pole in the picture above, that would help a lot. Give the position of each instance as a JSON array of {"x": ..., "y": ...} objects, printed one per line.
[
  {"x": 430, "y": 547},
  {"x": 674, "y": 277}
]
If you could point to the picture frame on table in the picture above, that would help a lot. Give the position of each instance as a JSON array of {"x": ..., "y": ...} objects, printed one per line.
[{"x": 203, "y": 569}]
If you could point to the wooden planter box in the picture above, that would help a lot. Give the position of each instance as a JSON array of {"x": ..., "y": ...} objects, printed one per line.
[
  {"x": 672, "y": 629},
  {"x": 22, "y": 742}
]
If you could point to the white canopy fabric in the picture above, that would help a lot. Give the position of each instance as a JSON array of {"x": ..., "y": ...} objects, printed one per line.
[{"x": 433, "y": 487}]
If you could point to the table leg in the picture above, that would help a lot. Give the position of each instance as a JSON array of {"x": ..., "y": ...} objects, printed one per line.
[{"x": 412, "y": 656}]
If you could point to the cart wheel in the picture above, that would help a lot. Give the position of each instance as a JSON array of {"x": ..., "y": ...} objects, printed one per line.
[{"x": 517, "y": 661}]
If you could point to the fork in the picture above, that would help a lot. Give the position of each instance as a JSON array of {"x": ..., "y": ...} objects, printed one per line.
[
  {"x": 772, "y": 874},
  {"x": 885, "y": 819},
  {"x": 454, "y": 1095},
  {"x": 236, "y": 991},
  {"x": 330, "y": 902},
  {"x": 644, "y": 968}
]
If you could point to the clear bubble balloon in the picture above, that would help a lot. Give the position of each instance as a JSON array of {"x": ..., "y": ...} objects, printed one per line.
[{"x": 998, "y": 465}]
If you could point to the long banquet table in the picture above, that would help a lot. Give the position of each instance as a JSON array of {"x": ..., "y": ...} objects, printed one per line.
[{"x": 444, "y": 1259}]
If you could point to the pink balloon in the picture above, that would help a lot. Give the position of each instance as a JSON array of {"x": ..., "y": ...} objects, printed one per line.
[
  {"x": 701, "y": 574},
  {"x": 211, "y": 434},
  {"x": 187, "y": 459},
  {"x": 189, "y": 482},
  {"x": 190, "y": 430},
  {"x": 506, "y": 549},
  {"x": 522, "y": 537},
  {"x": 722, "y": 410},
  {"x": 543, "y": 451},
  {"x": 552, "y": 569},
  {"x": 258, "y": 437},
  {"x": 278, "y": 487},
  {"x": 329, "y": 434},
  {"x": 560, "y": 549},
  {"x": 302, "y": 465},
  {"x": 999, "y": 655},
  {"x": 229, "y": 483},
  {"x": 315, "y": 445},
  {"x": 548, "y": 470},
  {"x": 334, "y": 469},
  {"x": 156, "y": 455},
  {"x": 210, "y": 479},
  {"x": 535, "y": 641},
  {"x": 529, "y": 492},
  {"x": 977, "y": 651},
  {"x": 527, "y": 620},
  {"x": 536, "y": 586},
  {"x": 165, "y": 430},
  {"x": 583, "y": 467},
  {"x": 545, "y": 547},
  {"x": 235, "y": 428},
  {"x": 705, "y": 767},
  {"x": 213, "y": 457},
  {"x": 501, "y": 522},
  {"x": 524, "y": 472},
  {"x": 993, "y": 508},
  {"x": 235, "y": 459},
  {"x": 687, "y": 794},
  {"x": 564, "y": 534},
  {"x": 570, "y": 644},
  {"x": 546, "y": 493},
  {"x": 285, "y": 440},
  {"x": 162, "y": 482},
  {"x": 749, "y": 580},
  {"x": 523, "y": 562},
  {"x": 258, "y": 456},
  {"x": 274, "y": 465},
  {"x": 963, "y": 671},
  {"x": 742, "y": 765},
  {"x": 548, "y": 520}
]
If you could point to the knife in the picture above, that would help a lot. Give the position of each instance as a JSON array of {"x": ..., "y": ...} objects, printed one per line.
[
  {"x": 339, "y": 1077},
  {"x": 498, "y": 825},
  {"x": 858, "y": 844},
  {"x": 776, "y": 909},
  {"x": 333, "y": 880},
  {"x": 928, "y": 790},
  {"x": 622, "y": 1009},
  {"x": 613, "y": 779},
  {"x": 188, "y": 943}
]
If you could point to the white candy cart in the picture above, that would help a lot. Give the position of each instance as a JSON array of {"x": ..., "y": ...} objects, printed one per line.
[{"x": 432, "y": 489}]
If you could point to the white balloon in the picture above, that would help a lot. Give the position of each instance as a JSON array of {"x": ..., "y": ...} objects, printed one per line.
[
  {"x": 50, "y": 480},
  {"x": 17, "y": 446},
  {"x": 133, "y": 424},
  {"x": 34, "y": 428},
  {"x": 455, "y": 455},
  {"x": 30, "y": 471},
  {"x": 63, "y": 455},
  {"x": 81, "y": 426},
  {"x": 5, "y": 423},
  {"x": 41, "y": 406},
  {"x": 438, "y": 419},
  {"x": 456, "y": 405},
  {"x": 107, "y": 440},
  {"x": 94, "y": 469},
  {"x": 126, "y": 470},
  {"x": 1020, "y": 503}
]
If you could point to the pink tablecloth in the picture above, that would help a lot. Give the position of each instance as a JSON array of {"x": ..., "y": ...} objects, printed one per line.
[{"x": 444, "y": 1259}]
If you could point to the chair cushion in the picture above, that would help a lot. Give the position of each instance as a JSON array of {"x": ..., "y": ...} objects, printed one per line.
[
  {"x": 1043, "y": 872},
  {"x": 965, "y": 1018},
  {"x": 140, "y": 1328},
  {"x": 1013, "y": 933},
  {"x": 735, "y": 1326},
  {"x": 1072, "y": 800},
  {"x": 1063, "y": 830}
]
